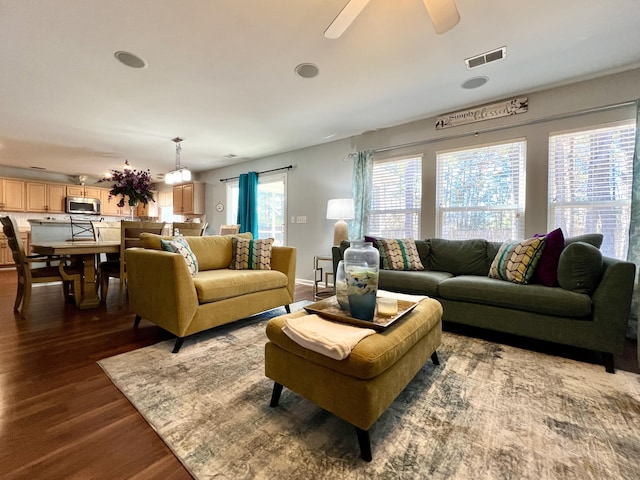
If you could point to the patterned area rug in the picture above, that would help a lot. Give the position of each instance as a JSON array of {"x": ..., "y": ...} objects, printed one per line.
[{"x": 489, "y": 411}]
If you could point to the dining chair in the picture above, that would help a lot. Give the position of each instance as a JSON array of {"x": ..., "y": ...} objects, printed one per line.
[
  {"x": 129, "y": 237},
  {"x": 229, "y": 229},
  {"x": 30, "y": 270},
  {"x": 106, "y": 231},
  {"x": 189, "y": 228}
]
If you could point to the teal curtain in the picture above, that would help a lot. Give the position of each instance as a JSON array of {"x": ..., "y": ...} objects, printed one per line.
[
  {"x": 361, "y": 188},
  {"x": 248, "y": 203},
  {"x": 633, "y": 254}
]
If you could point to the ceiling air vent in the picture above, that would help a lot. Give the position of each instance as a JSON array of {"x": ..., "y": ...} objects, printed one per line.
[{"x": 487, "y": 57}]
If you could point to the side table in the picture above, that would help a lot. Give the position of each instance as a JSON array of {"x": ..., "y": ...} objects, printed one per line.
[{"x": 321, "y": 287}]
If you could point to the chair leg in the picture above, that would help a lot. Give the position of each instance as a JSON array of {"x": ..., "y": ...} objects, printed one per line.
[
  {"x": 136, "y": 322},
  {"x": 275, "y": 395},
  {"x": 104, "y": 286},
  {"x": 123, "y": 289},
  {"x": 287, "y": 308},
  {"x": 607, "y": 359},
  {"x": 176, "y": 347},
  {"x": 365, "y": 444},
  {"x": 435, "y": 359},
  {"x": 19, "y": 296},
  {"x": 26, "y": 300}
]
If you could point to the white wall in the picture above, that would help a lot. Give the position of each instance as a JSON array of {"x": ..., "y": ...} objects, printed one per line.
[{"x": 321, "y": 172}]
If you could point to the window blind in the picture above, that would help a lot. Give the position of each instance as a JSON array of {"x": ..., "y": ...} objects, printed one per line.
[
  {"x": 480, "y": 192},
  {"x": 396, "y": 196},
  {"x": 590, "y": 179}
]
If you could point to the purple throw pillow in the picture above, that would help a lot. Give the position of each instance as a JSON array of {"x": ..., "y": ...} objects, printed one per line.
[{"x": 547, "y": 270}]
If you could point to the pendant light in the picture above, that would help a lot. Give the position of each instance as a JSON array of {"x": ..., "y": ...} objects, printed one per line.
[{"x": 179, "y": 174}]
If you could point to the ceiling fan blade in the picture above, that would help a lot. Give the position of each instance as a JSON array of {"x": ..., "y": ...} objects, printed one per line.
[
  {"x": 444, "y": 14},
  {"x": 347, "y": 15}
]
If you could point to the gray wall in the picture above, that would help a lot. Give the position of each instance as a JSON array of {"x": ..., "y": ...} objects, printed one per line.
[{"x": 323, "y": 172}]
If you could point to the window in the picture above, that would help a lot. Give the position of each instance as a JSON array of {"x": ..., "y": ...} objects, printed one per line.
[
  {"x": 590, "y": 176},
  {"x": 480, "y": 192},
  {"x": 272, "y": 212},
  {"x": 396, "y": 197}
]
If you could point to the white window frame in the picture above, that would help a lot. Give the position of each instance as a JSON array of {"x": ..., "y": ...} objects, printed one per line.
[
  {"x": 585, "y": 215},
  {"x": 508, "y": 220},
  {"x": 381, "y": 206}
]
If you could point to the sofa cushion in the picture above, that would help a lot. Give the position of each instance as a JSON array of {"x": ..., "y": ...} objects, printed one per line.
[
  {"x": 546, "y": 272},
  {"x": 580, "y": 267},
  {"x": 459, "y": 257},
  {"x": 516, "y": 261},
  {"x": 152, "y": 240},
  {"x": 251, "y": 254},
  {"x": 532, "y": 298},
  {"x": 594, "y": 239},
  {"x": 180, "y": 245},
  {"x": 218, "y": 284},
  {"x": 399, "y": 254},
  {"x": 423, "y": 282}
]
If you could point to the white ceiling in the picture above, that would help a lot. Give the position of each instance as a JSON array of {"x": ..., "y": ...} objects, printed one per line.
[{"x": 221, "y": 75}]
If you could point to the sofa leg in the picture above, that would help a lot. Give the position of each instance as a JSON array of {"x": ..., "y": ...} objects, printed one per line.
[
  {"x": 435, "y": 359},
  {"x": 607, "y": 359},
  {"x": 176, "y": 347},
  {"x": 287, "y": 308},
  {"x": 365, "y": 444},
  {"x": 275, "y": 395},
  {"x": 136, "y": 322}
]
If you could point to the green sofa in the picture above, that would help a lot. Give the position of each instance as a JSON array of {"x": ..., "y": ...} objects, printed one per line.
[
  {"x": 162, "y": 290},
  {"x": 456, "y": 274}
]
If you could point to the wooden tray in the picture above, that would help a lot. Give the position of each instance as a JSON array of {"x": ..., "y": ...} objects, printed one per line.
[{"x": 330, "y": 308}]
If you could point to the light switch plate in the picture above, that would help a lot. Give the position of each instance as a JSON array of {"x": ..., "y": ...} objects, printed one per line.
[{"x": 301, "y": 219}]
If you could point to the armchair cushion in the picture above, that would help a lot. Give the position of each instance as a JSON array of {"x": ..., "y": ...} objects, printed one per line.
[
  {"x": 251, "y": 254},
  {"x": 180, "y": 245}
]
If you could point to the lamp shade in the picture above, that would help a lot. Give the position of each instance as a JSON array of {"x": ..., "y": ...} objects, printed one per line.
[{"x": 340, "y": 209}]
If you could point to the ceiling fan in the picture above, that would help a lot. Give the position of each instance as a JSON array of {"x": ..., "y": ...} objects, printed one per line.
[{"x": 444, "y": 15}]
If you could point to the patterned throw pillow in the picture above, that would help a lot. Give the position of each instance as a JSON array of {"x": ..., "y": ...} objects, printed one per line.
[
  {"x": 516, "y": 261},
  {"x": 180, "y": 245},
  {"x": 251, "y": 254},
  {"x": 399, "y": 254}
]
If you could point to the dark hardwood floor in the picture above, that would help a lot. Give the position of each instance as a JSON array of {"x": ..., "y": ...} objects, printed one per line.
[
  {"x": 60, "y": 415},
  {"x": 62, "y": 418}
]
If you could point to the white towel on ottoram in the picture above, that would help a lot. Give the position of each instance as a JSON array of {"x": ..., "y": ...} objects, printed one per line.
[{"x": 335, "y": 340}]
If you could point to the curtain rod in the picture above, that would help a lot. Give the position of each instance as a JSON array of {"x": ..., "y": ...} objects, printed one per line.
[
  {"x": 559, "y": 116},
  {"x": 288, "y": 167}
]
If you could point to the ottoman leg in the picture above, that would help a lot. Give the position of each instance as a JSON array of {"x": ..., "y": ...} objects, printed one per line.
[
  {"x": 365, "y": 444},
  {"x": 435, "y": 359},
  {"x": 275, "y": 395}
]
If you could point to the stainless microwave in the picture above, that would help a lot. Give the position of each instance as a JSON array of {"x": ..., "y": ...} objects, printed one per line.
[{"x": 83, "y": 205}]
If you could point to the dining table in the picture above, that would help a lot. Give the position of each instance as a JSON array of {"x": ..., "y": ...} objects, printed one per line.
[{"x": 82, "y": 253}]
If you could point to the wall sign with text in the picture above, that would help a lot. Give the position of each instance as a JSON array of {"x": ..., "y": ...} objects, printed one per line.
[{"x": 484, "y": 112}]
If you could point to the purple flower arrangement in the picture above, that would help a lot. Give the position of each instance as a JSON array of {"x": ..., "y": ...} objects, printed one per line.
[{"x": 131, "y": 183}]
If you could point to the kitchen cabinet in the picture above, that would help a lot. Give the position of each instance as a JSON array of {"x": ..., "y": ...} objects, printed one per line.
[
  {"x": 12, "y": 198},
  {"x": 188, "y": 199},
  {"x": 45, "y": 197},
  {"x": 150, "y": 209},
  {"x": 82, "y": 191},
  {"x": 6, "y": 256},
  {"x": 109, "y": 206}
]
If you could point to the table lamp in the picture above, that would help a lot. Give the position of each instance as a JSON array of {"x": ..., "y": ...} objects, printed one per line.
[{"x": 340, "y": 209}]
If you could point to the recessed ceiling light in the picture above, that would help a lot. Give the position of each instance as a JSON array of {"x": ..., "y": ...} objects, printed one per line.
[
  {"x": 307, "y": 70},
  {"x": 130, "y": 59},
  {"x": 474, "y": 82}
]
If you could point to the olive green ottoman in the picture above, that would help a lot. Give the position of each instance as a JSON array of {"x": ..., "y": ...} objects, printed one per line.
[{"x": 359, "y": 388}]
